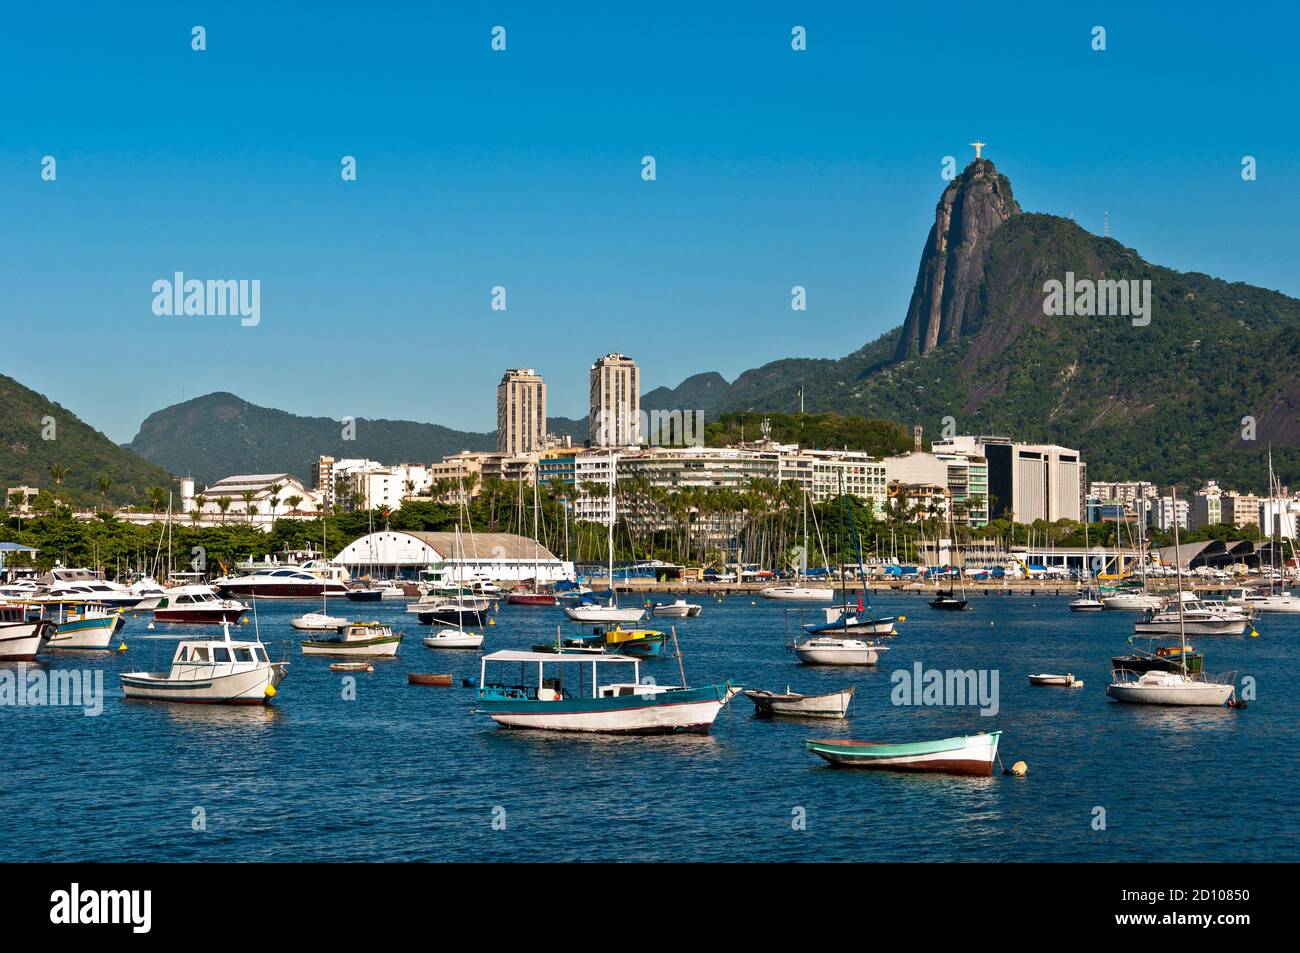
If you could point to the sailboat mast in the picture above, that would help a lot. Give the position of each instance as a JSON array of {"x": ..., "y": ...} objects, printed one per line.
[
  {"x": 613, "y": 466},
  {"x": 1178, "y": 569}
]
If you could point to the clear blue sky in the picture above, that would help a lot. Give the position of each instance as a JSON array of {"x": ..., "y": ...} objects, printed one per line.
[{"x": 522, "y": 169}]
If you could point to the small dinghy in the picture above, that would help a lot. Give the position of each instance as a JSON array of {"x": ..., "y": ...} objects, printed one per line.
[
  {"x": 971, "y": 755},
  {"x": 420, "y": 678},
  {"x": 830, "y": 705},
  {"x": 352, "y": 667},
  {"x": 1059, "y": 681}
]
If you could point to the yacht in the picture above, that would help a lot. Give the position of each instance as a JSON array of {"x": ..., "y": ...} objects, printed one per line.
[
  {"x": 1198, "y": 618},
  {"x": 214, "y": 671},
  {"x": 1136, "y": 599},
  {"x": 82, "y": 585},
  {"x": 459, "y": 610},
  {"x": 838, "y": 651},
  {"x": 198, "y": 604},
  {"x": 283, "y": 582}
]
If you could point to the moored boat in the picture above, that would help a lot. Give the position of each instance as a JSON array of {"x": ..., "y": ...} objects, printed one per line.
[
  {"x": 970, "y": 755},
  {"x": 359, "y": 640},
  {"x": 198, "y": 605},
  {"x": 797, "y": 593},
  {"x": 573, "y": 699},
  {"x": 1057, "y": 681},
  {"x": 21, "y": 639},
  {"x": 453, "y": 639},
  {"x": 825, "y": 650},
  {"x": 826, "y": 705},
  {"x": 86, "y": 627},
  {"x": 677, "y": 609},
  {"x": 213, "y": 672},
  {"x": 1169, "y": 688}
]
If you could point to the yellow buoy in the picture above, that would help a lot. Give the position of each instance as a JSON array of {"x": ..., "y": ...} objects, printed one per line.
[
  {"x": 1254, "y": 634},
  {"x": 244, "y": 621},
  {"x": 902, "y": 618},
  {"x": 492, "y": 621},
  {"x": 122, "y": 647},
  {"x": 270, "y": 690},
  {"x": 1020, "y": 769}
]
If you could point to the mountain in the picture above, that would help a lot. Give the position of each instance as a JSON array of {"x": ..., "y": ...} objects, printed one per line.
[
  {"x": 1165, "y": 400},
  {"x": 26, "y": 456},
  {"x": 220, "y": 434}
]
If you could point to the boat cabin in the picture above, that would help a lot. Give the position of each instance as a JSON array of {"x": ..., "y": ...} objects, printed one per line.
[{"x": 548, "y": 676}]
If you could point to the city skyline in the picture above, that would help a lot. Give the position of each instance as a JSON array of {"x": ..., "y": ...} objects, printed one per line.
[{"x": 810, "y": 168}]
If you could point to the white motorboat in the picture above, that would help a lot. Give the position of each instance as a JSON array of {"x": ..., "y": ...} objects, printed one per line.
[
  {"x": 1168, "y": 688},
  {"x": 828, "y": 705},
  {"x": 458, "y": 610},
  {"x": 1058, "y": 681},
  {"x": 1132, "y": 600},
  {"x": 62, "y": 584},
  {"x": 199, "y": 605},
  {"x": 281, "y": 582},
  {"x": 1196, "y": 618},
  {"x": 453, "y": 639},
  {"x": 595, "y": 612},
  {"x": 357, "y": 639},
  {"x": 85, "y": 627},
  {"x": 823, "y": 650},
  {"x": 677, "y": 609},
  {"x": 151, "y": 593},
  {"x": 221, "y": 672},
  {"x": 797, "y": 593},
  {"x": 1086, "y": 603},
  {"x": 1280, "y": 601},
  {"x": 21, "y": 639}
]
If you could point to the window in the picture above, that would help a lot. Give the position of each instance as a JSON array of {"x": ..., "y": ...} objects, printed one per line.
[
  {"x": 243, "y": 655},
  {"x": 181, "y": 655},
  {"x": 261, "y": 654},
  {"x": 220, "y": 654},
  {"x": 199, "y": 653}
]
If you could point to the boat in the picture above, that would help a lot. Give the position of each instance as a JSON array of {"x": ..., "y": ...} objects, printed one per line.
[
  {"x": 526, "y": 596},
  {"x": 1182, "y": 688},
  {"x": 1275, "y": 598},
  {"x": 453, "y": 639},
  {"x": 677, "y": 609},
  {"x": 1192, "y": 616},
  {"x": 62, "y": 584},
  {"x": 318, "y": 622},
  {"x": 366, "y": 594},
  {"x": 357, "y": 639},
  {"x": 458, "y": 611},
  {"x": 530, "y": 593},
  {"x": 85, "y": 627},
  {"x": 199, "y": 605},
  {"x": 948, "y": 600},
  {"x": 351, "y": 667},
  {"x": 213, "y": 672},
  {"x": 280, "y": 582},
  {"x": 21, "y": 639},
  {"x": 421, "y": 678},
  {"x": 151, "y": 594},
  {"x": 1086, "y": 602},
  {"x": 797, "y": 593},
  {"x": 822, "y": 650},
  {"x": 574, "y": 699},
  {"x": 852, "y": 620},
  {"x": 970, "y": 755},
  {"x": 588, "y": 609},
  {"x": 828, "y": 705},
  {"x": 641, "y": 643},
  {"x": 1132, "y": 600},
  {"x": 1166, "y": 658},
  {"x": 1058, "y": 681}
]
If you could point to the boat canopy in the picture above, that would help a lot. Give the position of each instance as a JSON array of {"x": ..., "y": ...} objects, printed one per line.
[{"x": 549, "y": 658}]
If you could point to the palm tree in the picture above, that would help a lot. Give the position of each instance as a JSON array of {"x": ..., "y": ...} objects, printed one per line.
[
  {"x": 16, "y": 501},
  {"x": 223, "y": 504},
  {"x": 105, "y": 484},
  {"x": 248, "y": 504},
  {"x": 157, "y": 497},
  {"x": 59, "y": 473},
  {"x": 274, "y": 489},
  {"x": 294, "y": 502}
]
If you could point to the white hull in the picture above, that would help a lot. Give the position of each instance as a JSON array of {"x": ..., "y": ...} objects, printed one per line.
[
  {"x": 831, "y": 705},
  {"x": 316, "y": 622},
  {"x": 1164, "y": 688},
  {"x": 1286, "y": 603},
  {"x": 603, "y": 614},
  {"x": 22, "y": 640},
  {"x": 797, "y": 593},
  {"x": 1220, "y": 626},
  {"x": 653, "y": 719},
  {"x": 358, "y": 649},
  {"x": 99, "y": 637},
  {"x": 241, "y": 683},
  {"x": 1132, "y": 600},
  {"x": 837, "y": 652},
  {"x": 676, "y": 610},
  {"x": 454, "y": 639}
]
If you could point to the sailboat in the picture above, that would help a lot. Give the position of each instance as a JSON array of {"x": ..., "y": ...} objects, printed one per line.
[
  {"x": 832, "y": 644},
  {"x": 457, "y": 638},
  {"x": 592, "y": 611},
  {"x": 948, "y": 600},
  {"x": 1087, "y": 600},
  {"x": 532, "y": 594},
  {"x": 320, "y": 621},
  {"x": 1133, "y": 599},
  {"x": 800, "y": 591},
  {"x": 1276, "y": 599},
  {"x": 1160, "y": 687}
]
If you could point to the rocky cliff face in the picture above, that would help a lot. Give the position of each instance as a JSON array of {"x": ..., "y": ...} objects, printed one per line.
[{"x": 946, "y": 301}]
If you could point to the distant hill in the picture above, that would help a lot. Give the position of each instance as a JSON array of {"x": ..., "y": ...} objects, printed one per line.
[
  {"x": 26, "y": 457},
  {"x": 1162, "y": 402},
  {"x": 218, "y": 435}
]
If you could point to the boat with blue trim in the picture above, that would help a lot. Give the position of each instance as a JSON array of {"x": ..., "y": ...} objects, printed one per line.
[{"x": 560, "y": 691}]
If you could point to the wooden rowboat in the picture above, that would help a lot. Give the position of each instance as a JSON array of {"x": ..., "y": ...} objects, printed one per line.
[
  {"x": 1058, "y": 681},
  {"x": 830, "y": 705},
  {"x": 352, "y": 667},
  {"x": 418, "y": 678},
  {"x": 970, "y": 755}
]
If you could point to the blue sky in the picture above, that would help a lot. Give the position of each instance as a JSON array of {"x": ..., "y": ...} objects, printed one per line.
[{"x": 522, "y": 169}]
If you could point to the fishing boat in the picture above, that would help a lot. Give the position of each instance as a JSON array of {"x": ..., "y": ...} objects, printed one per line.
[
  {"x": 823, "y": 650},
  {"x": 1181, "y": 688},
  {"x": 85, "y": 627},
  {"x": 1057, "y": 681},
  {"x": 213, "y": 672},
  {"x": 359, "y": 640},
  {"x": 677, "y": 609},
  {"x": 21, "y": 639},
  {"x": 970, "y": 755},
  {"x": 575, "y": 698},
  {"x": 828, "y": 705},
  {"x": 199, "y": 605}
]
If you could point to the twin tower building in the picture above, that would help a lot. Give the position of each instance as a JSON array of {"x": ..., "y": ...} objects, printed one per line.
[{"x": 615, "y": 407}]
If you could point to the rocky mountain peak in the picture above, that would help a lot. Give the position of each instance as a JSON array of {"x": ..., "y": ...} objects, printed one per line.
[{"x": 946, "y": 298}]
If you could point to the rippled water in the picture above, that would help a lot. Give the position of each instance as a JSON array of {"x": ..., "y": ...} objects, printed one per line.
[{"x": 406, "y": 773}]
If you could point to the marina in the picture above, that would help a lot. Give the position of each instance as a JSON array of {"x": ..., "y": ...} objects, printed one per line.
[{"x": 296, "y": 749}]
